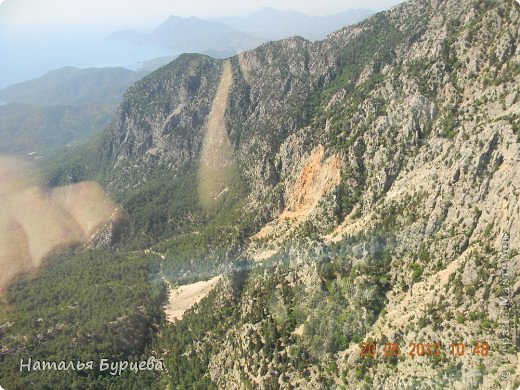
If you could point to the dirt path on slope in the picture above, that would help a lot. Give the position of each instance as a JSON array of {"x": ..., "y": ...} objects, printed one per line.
[{"x": 217, "y": 157}]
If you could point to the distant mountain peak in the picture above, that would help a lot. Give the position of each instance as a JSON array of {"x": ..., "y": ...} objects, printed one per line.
[
  {"x": 192, "y": 34},
  {"x": 273, "y": 11},
  {"x": 270, "y": 23}
]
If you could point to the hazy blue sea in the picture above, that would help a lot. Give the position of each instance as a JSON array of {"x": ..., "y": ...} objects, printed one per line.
[{"x": 22, "y": 59}]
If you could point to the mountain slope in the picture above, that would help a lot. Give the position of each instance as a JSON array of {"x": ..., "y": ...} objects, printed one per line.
[
  {"x": 423, "y": 122},
  {"x": 35, "y": 129},
  {"x": 375, "y": 197}
]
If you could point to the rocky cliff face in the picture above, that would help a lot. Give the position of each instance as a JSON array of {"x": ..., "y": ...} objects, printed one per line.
[{"x": 381, "y": 166}]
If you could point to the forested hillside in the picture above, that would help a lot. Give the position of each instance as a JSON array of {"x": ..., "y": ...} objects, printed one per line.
[
  {"x": 360, "y": 189},
  {"x": 64, "y": 107}
]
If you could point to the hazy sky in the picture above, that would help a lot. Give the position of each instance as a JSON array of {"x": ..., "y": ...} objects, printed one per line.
[{"x": 150, "y": 12}]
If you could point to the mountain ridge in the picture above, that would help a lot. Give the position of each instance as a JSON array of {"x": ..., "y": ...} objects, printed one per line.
[
  {"x": 384, "y": 98},
  {"x": 71, "y": 85},
  {"x": 226, "y": 36}
]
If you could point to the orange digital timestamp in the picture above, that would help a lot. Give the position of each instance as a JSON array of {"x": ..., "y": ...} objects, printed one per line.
[{"x": 371, "y": 350}]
